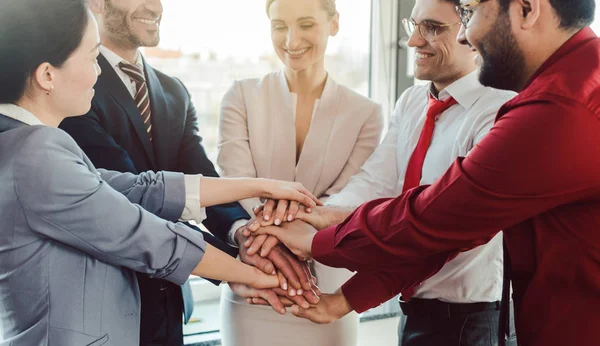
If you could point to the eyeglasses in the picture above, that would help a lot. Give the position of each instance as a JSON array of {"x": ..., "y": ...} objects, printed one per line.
[
  {"x": 427, "y": 29},
  {"x": 465, "y": 12}
]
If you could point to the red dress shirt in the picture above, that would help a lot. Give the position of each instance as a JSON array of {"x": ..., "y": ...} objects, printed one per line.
[{"x": 536, "y": 175}]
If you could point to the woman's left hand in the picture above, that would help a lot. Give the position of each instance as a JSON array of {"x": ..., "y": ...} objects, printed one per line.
[{"x": 288, "y": 191}]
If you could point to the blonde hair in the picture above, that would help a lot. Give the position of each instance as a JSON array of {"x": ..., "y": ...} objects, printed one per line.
[{"x": 328, "y": 5}]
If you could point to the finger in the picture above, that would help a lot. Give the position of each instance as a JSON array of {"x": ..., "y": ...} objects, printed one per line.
[
  {"x": 302, "y": 313},
  {"x": 285, "y": 267},
  {"x": 282, "y": 281},
  {"x": 311, "y": 296},
  {"x": 286, "y": 301},
  {"x": 249, "y": 241},
  {"x": 272, "y": 300},
  {"x": 258, "y": 301},
  {"x": 301, "y": 301},
  {"x": 269, "y": 244},
  {"x": 314, "y": 201},
  {"x": 257, "y": 244},
  {"x": 299, "y": 269},
  {"x": 255, "y": 223},
  {"x": 280, "y": 212},
  {"x": 292, "y": 211},
  {"x": 268, "y": 209},
  {"x": 257, "y": 209},
  {"x": 265, "y": 265}
]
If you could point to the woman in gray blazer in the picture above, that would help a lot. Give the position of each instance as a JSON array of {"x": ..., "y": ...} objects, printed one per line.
[
  {"x": 70, "y": 237},
  {"x": 299, "y": 125}
]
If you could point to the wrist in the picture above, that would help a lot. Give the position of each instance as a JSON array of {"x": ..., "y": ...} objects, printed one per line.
[{"x": 342, "y": 305}]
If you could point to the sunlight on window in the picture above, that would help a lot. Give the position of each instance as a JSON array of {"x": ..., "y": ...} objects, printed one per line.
[{"x": 210, "y": 43}]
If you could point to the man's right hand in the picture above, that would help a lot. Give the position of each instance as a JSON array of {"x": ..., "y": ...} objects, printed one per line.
[{"x": 291, "y": 269}]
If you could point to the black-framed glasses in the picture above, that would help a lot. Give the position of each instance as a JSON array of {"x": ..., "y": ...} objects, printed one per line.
[
  {"x": 465, "y": 12},
  {"x": 427, "y": 29}
]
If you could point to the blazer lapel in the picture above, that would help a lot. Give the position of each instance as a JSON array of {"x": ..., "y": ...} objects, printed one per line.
[
  {"x": 282, "y": 136},
  {"x": 160, "y": 117},
  {"x": 318, "y": 139},
  {"x": 7, "y": 123},
  {"x": 113, "y": 85}
]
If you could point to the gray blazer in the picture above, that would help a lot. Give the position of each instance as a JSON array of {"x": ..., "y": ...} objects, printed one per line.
[{"x": 70, "y": 239}]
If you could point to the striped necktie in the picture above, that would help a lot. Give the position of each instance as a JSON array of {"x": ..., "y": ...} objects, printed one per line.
[{"x": 142, "y": 97}]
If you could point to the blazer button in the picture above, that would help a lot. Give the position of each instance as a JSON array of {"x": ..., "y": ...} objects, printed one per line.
[
  {"x": 130, "y": 315},
  {"x": 171, "y": 226}
]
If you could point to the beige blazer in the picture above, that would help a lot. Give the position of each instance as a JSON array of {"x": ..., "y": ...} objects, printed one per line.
[{"x": 257, "y": 134}]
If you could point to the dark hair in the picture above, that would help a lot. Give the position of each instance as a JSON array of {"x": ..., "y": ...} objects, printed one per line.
[
  {"x": 573, "y": 14},
  {"x": 33, "y": 32},
  {"x": 455, "y": 2}
]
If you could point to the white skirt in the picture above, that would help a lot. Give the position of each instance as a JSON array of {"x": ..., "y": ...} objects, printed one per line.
[{"x": 243, "y": 324}]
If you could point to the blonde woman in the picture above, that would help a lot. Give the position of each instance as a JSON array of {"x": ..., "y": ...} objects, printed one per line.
[{"x": 299, "y": 125}]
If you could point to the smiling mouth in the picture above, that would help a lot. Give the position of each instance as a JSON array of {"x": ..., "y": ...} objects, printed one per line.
[
  {"x": 297, "y": 52},
  {"x": 147, "y": 21},
  {"x": 423, "y": 55}
]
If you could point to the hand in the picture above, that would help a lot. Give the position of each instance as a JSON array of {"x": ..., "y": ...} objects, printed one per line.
[
  {"x": 304, "y": 301},
  {"x": 319, "y": 217},
  {"x": 331, "y": 308},
  {"x": 253, "y": 259},
  {"x": 289, "y": 268},
  {"x": 289, "y": 191},
  {"x": 267, "y": 296},
  {"x": 297, "y": 236}
]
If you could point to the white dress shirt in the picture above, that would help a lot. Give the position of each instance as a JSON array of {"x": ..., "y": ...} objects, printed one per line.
[
  {"x": 192, "y": 210},
  {"x": 114, "y": 59},
  {"x": 475, "y": 275}
]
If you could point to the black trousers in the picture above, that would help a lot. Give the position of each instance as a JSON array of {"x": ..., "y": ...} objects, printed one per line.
[
  {"x": 435, "y": 323},
  {"x": 161, "y": 315}
]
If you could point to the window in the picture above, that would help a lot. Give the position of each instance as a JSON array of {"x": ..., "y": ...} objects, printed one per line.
[
  {"x": 596, "y": 24},
  {"x": 209, "y": 44}
]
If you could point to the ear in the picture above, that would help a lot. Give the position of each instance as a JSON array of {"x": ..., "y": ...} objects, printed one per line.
[
  {"x": 96, "y": 6},
  {"x": 335, "y": 25},
  {"x": 528, "y": 12},
  {"x": 43, "y": 77}
]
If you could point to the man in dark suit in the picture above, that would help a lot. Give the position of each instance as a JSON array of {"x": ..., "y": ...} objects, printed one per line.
[{"x": 140, "y": 120}]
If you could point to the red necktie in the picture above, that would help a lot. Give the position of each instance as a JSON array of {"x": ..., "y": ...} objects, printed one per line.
[{"x": 415, "y": 164}]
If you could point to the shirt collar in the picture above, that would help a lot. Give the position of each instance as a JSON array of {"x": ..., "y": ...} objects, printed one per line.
[
  {"x": 20, "y": 114},
  {"x": 114, "y": 59},
  {"x": 465, "y": 90},
  {"x": 579, "y": 38}
]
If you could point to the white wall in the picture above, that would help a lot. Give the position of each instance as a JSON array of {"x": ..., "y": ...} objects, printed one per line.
[{"x": 379, "y": 333}]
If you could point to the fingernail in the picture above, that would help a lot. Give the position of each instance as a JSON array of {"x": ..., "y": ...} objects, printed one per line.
[
  {"x": 284, "y": 286},
  {"x": 247, "y": 242},
  {"x": 266, "y": 217},
  {"x": 277, "y": 222},
  {"x": 299, "y": 292},
  {"x": 290, "y": 217},
  {"x": 292, "y": 292}
]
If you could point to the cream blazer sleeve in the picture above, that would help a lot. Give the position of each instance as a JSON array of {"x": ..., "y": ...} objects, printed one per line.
[{"x": 235, "y": 157}]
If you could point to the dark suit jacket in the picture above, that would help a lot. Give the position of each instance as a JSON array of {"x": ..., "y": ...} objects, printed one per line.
[{"x": 113, "y": 135}]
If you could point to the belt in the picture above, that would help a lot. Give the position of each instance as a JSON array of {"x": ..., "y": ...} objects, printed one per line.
[{"x": 438, "y": 308}]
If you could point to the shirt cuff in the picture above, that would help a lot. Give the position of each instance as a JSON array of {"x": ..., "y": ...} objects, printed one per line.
[
  {"x": 365, "y": 291},
  {"x": 193, "y": 211},
  {"x": 231, "y": 236},
  {"x": 323, "y": 249}
]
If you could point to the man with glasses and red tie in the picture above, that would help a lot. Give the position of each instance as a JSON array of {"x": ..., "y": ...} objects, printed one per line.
[
  {"x": 535, "y": 176},
  {"x": 431, "y": 126}
]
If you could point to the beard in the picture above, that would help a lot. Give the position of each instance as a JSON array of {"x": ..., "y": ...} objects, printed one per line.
[
  {"x": 503, "y": 62},
  {"x": 116, "y": 24}
]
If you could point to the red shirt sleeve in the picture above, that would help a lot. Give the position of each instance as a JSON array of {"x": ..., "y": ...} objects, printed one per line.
[{"x": 540, "y": 155}]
